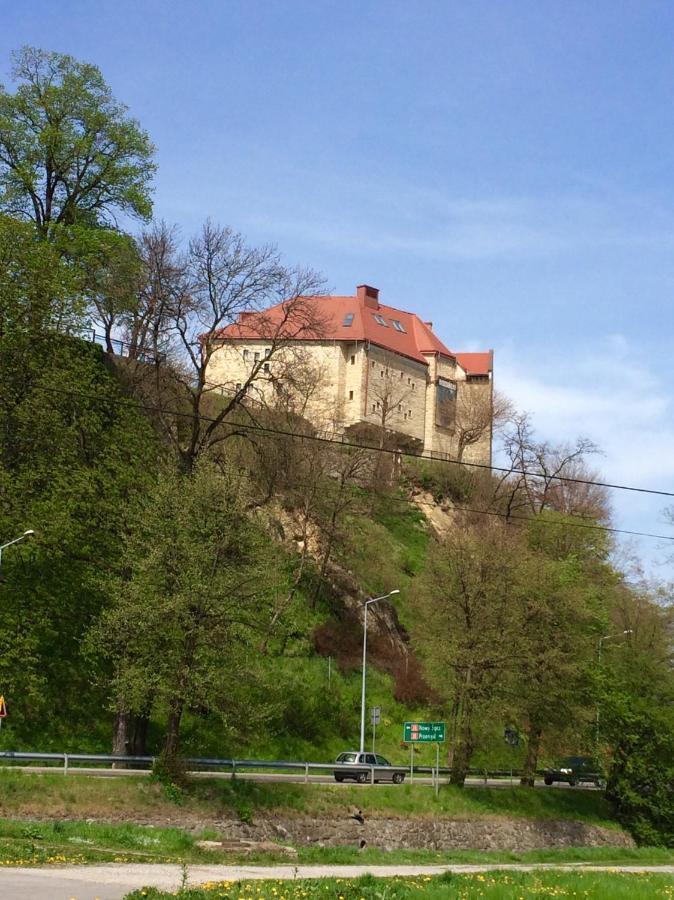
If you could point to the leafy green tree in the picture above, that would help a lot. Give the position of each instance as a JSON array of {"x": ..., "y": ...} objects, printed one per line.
[
  {"x": 465, "y": 629},
  {"x": 69, "y": 152},
  {"x": 196, "y": 594},
  {"x": 69, "y": 466},
  {"x": 38, "y": 288}
]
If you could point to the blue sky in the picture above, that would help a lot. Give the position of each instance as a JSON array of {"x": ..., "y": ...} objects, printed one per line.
[{"x": 504, "y": 168}]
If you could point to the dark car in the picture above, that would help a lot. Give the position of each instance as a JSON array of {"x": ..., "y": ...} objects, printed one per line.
[
  {"x": 574, "y": 770},
  {"x": 361, "y": 767}
]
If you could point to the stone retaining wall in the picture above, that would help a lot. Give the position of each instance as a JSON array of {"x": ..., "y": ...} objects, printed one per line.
[{"x": 430, "y": 833}]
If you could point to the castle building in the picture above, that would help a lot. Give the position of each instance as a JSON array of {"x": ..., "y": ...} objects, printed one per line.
[{"x": 367, "y": 364}]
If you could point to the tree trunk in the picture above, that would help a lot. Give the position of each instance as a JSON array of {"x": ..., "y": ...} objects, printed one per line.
[
  {"x": 172, "y": 742},
  {"x": 531, "y": 760},
  {"x": 462, "y": 757},
  {"x": 129, "y": 736}
]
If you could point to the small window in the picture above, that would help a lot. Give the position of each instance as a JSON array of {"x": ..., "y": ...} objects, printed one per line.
[
  {"x": 412, "y": 385},
  {"x": 350, "y": 395},
  {"x": 348, "y": 320},
  {"x": 398, "y": 326},
  {"x": 378, "y": 404},
  {"x": 246, "y": 354},
  {"x": 238, "y": 386},
  {"x": 373, "y": 364},
  {"x": 267, "y": 353},
  {"x": 256, "y": 357},
  {"x": 409, "y": 414},
  {"x": 353, "y": 360},
  {"x": 402, "y": 374},
  {"x": 266, "y": 367},
  {"x": 374, "y": 408},
  {"x": 409, "y": 381},
  {"x": 400, "y": 407},
  {"x": 380, "y": 320},
  {"x": 382, "y": 373}
]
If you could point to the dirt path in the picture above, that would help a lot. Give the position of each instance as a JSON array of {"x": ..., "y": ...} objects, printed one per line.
[{"x": 113, "y": 882}]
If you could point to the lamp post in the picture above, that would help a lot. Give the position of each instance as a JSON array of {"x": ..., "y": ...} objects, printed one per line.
[
  {"x": 606, "y": 637},
  {"x": 362, "y": 695},
  {"x": 22, "y": 537}
]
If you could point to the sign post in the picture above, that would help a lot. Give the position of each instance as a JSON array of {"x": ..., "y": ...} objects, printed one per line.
[
  {"x": 375, "y": 719},
  {"x": 425, "y": 733}
]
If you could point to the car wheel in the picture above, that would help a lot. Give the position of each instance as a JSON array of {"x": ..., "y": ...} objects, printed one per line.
[
  {"x": 339, "y": 778},
  {"x": 548, "y": 781},
  {"x": 361, "y": 778},
  {"x": 572, "y": 782},
  {"x": 398, "y": 778}
]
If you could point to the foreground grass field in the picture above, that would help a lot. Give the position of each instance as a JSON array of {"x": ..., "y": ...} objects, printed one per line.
[
  {"x": 141, "y": 800},
  {"x": 495, "y": 885}
]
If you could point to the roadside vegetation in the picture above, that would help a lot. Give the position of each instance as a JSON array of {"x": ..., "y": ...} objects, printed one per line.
[
  {"x": 497, "y": 885},
  {"x": 196, "y": 581}
]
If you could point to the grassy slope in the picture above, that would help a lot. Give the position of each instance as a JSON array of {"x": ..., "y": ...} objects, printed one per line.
[{"x": 139, "y": 799}]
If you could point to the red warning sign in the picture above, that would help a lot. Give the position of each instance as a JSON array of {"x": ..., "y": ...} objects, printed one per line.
[{"x": 3, "y": 708}]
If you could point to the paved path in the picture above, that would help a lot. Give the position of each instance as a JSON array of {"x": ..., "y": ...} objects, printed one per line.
[
  {"x": 114, "y": 881},
  {"x": 296, "y": 778}
]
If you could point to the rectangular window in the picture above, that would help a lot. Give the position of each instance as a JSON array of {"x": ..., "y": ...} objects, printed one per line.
[
  {"x": 373, "y": 408},
  {"x": 238, "y": 386},
  {"x": 373, "y": 364},
  {"x": 382, "y": 373},
  {"x": 445, "y": 403},
  {"x": 256, "y": 357},
  {"x": 398, "y": 326},
  {"x": 353, "y": 360},
  {"x": 350, "y": 395},
  {"x": 348, "y": 320},
  {"x": 246, "y": 354},
  {"x": 266, "y": 367},
  {"x": 380, "y": 320},
  {"x": 412, "y": 385},
  {"x": 267, "y": 353}
]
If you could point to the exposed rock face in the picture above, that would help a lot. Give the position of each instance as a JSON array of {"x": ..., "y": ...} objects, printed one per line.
[{"x": 428, "y": 833}]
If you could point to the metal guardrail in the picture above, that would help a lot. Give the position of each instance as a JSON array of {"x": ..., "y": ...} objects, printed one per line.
[{"x": 69, "y": 761}]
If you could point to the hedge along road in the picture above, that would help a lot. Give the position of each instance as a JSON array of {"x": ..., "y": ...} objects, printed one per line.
[
  {"x": 298, "y": 778},
  {"x": 113, "y": 882}
]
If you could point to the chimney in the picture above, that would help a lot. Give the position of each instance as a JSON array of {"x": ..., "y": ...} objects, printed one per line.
[
  {"x": 368, "y": 296},
  {"x": 429, "y": 325}
]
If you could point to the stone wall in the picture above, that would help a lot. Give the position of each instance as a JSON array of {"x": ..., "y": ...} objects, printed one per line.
[{"x": 429, "y": 833}]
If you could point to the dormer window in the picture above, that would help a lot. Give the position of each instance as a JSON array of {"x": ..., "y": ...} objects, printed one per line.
[
  {"x": 398, "y": 326},
  {"x": 348, "y": 320},
  {"x": 380, "y": 320}
]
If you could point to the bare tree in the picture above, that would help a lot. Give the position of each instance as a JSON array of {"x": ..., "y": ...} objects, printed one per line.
[
  {"x": 390, "y": 396},
  {"x": 479, "y": 412},
  {"x": 217, "y": 294},
  {"x": 534, "y": 480}
]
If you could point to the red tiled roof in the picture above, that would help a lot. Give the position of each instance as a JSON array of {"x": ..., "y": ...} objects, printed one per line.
[
  {"x": 416, "y": 340},
  {"x": 476, "y": 363}
]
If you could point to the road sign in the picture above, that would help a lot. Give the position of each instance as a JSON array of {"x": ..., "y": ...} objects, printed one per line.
[
  {"x": 424, "y": 732},
  {"x": 375, "y": 715}
]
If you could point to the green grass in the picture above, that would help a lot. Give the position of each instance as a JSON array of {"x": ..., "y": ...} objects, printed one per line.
[
  {"x": 111, "y": 799},
  {"x": 496, "y": 885}
]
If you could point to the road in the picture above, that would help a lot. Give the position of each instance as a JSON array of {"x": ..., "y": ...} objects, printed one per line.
[
  {"x": 114, "y": 881},
  {"x": 294, "y": 778}
]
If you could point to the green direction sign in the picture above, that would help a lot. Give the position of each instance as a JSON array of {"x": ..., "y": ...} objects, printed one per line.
[{"x": 424, "y": 732}]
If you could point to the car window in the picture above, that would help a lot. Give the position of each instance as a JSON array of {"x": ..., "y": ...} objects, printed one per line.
[
  {"x": 382, "y": 762},
  {"x": 370, "y": 759},
  {"x": 346, "y": 757}
]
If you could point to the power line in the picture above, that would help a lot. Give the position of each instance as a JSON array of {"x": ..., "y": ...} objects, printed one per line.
[
  {"x": 314, "y": 437},
  {"x": 340, "y": 443}
]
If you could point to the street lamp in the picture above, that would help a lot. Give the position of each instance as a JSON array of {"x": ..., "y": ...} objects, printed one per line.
[
  {"x": 606, "y": 637},
  {"x": 22, "y": 537},
  {"x": 362, "y": 696}
]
